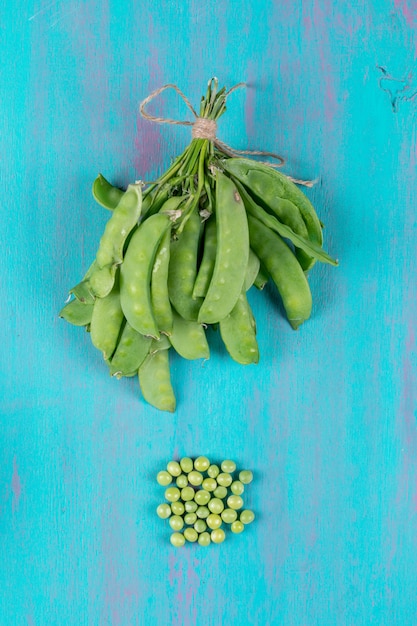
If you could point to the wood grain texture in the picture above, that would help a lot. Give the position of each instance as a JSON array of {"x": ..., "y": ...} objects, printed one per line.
[{"x": 327, "y": 420}]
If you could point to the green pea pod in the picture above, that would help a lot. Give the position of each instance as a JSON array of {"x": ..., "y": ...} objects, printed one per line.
[
  {"x": 232, "y": 253},
  {"x": 284, "y": 269},
  {"x": 261, "y": 279},
  {"x": 159, "y": 344},
  {"x": 155, "y": 381},
  {"x": 183, "y": 269},
  {"x": 252, "y": 270},
  {"x": 106, "y": 322},
  {"x": 238, "y": 332},
  {"x": 159, "y": 286},
  {"x": 136, "y": 271},
  {"x": 287, "y": 191},
  {"x": 124, "y": 218},
  {"x": 312, "y": 250},
  {"x": 77, "y": 313},
  {"x": 131, "y": 351},
  {"x": 105, "y": 194},
  {"x": 83, "y": 291},
  {"x": 102, "y": 280},
  {"x": 208, "y": 260},
  {"x": 189, "y": 339}
]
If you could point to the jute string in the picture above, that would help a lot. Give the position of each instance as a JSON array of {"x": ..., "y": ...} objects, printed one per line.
[{"x": 204, "y": 128}]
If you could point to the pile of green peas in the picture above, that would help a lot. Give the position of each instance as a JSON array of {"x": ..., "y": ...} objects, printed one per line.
[
  {"x": 179, "y": 255},
  {"x": 204, "y": 499}
]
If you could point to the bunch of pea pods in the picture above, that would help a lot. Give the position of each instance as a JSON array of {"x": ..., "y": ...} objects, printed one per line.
[{"x": 180, "y": 254}]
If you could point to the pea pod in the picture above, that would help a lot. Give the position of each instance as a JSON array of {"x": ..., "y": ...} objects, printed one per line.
[
  {"x": 106, "y": 194},
  {"x": 77, "y": 313},
  {"x": 284, "y": 269},
  {"x": 183, "y": 269},
  {"x": 287, "y": 190},
  {"x": 189, "y": 339},
  {"x": 102, "y": 280},
  {"x": 155, "y": 381},
  {"x": 159, "y": 286},
  {"x": 232, "y": 253},
  {"x": 208, "y": 260},
  {"x": 252, "y": 270},
  {"x": 261, "y": 279},
  {"x": 238, "y": 332},
  {"x": 136, "y": 271},
  {"x": 131, "y": 351},
  {"x": 83, "y": 291},
  {"x": 159, "y": 344},
  {"x": 311, "y": 248},
  {"x": 106, "y": 322},
  {"x": 125, "y": 216}
]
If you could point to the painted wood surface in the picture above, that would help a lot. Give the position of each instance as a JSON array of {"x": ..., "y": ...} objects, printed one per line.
[{"x": 327, "y": 420}]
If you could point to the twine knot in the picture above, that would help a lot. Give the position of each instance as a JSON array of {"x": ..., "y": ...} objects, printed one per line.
[{"x": 203, "y": 128}]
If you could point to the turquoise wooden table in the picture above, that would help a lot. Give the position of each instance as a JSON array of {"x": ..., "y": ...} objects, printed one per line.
[{"x": 327, "y": 420}]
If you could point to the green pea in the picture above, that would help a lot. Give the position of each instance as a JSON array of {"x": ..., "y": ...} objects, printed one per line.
[
  {"x": 214, "y": 521},
  {"x": 201, "y": 464},
  {"x": 131, "y": 351},
  {"x": 229, "y": 516},
  {"x": 237, "y": 488},
  {"x": 247, "y": 516},
  {"x": 208, "y": 260},
  {"x": 234, "y": 502},
  {"x": 195, "y": 478},
  {"x": 177, "y": 508},
  {"x": 182, "y": 481},
  {"x": 164, "y": 478},
  {"x": 106, "y": 194},
  {"x": 245, "y": 477},
  {"x": 163, "y": 511},
  {"x": 220, "y": 492},
  {"x": 177, "y": 540},
  {"x": 136, "y": 271},
  {"x": 174, "y": 468},
  {"x": 190, "y": 534},
  {"x": 189, "y": 338},
  {"x": 161, "y": 305},
  {"x": 200, "y": 526},
  {"x": 209, "y": 484},
  {"x": 191, "y": 506},
  {"x": 187, "y": 464},
  {"x": 204, "y": 539},
  {"x": 190, "y": 518},
  {"x": 176, "y": 522},
  {"x": 202, "y": 512},
  {"x": 155, "y": 381},
  {"x": 238, "y": 332},
  {"x": 285, "y": 271},
  {"x": 213, "y": 471},
  {"x": 106, "y": 322},
  {"x": 172, "y": 494},
  {"x": 228, "y": 466},
  {"x": 202, "y": 496},
  {"x": 237, "y": 527},
  {"x": 162, "y": 343},
  {"x": 224, "y": 479},
  {"x": 77, "y": 313},
  {"x": 232, "y": 253},
  {"x": 183, "y": 269},
  {"x": 216, "y": 505},
  {"x": 187, "y": 493},
  {"x": 218, "y": 536}
]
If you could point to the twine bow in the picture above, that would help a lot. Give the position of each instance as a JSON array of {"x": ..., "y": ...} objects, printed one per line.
[{"x": 205, "y": 128}]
